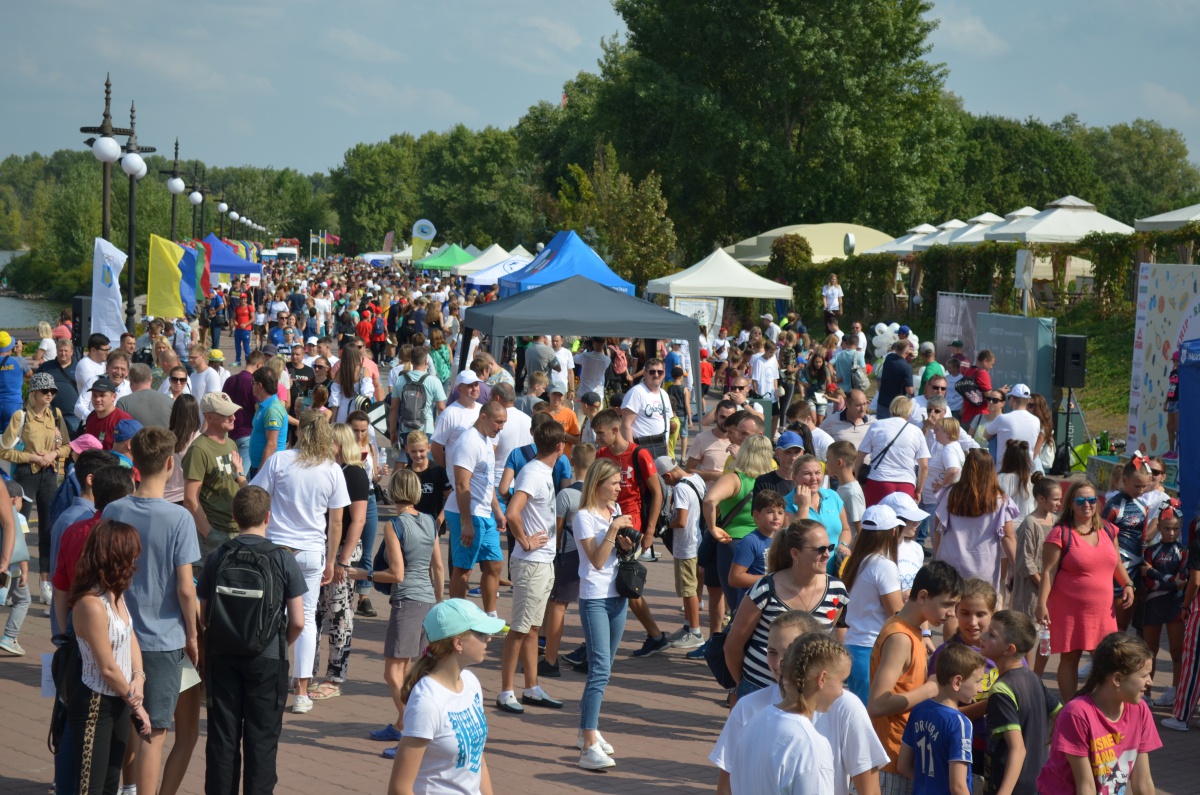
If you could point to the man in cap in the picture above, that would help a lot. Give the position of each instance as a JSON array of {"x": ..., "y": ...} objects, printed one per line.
[
  {"x": 122, "y": 437},
  {"x": 928, "y": 360},
  {"x": 770, "y": 328},
  {"x": 146, "y": 405},
  {"x": 1018, "y": 424},
  {"x": 687, "y": 497},
  {"x": 590, "y": 404},
  {"x": 212, "y": 473},
  {"x": 458, "y": 416},
  {"x": 310, "y": 350},
  {"x": 103, "y": 419},
  {"x": 789, "y": 447},
  {"x": 116, "y": 368}
]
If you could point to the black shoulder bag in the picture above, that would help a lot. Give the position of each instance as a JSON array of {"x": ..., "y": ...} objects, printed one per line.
[{"x": 631, "y": 575}]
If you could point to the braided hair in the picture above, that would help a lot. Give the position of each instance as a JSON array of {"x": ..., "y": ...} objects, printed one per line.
[{"x": 808, "y": 656}]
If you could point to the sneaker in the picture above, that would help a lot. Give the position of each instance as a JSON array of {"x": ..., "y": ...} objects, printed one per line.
[
  {"x": 366, "y": 609},
  {"x": 541, "y": 645},
  {"x": 693, "y": 640},
  {"x": 578, "y": 656},
  {"x": 1176, "y": 725},
  {"x": 11, "y": 646},
  {"x": 388, "y": 733},
  {"x": 546, "y": 669},
  {"x": 1167, "y": 699},
  {"x": 649, "y": 556},
  {"x": 301, "y": 705},
  {"x": 698, "y": 652},
  {"x": 678, "y": 634},
  {"x": 581, "y": 667},
  {"x": 652, "y": 646},
  {"x": 475, "y": 592},
  {"x": 600, "y": 741},
  {"x": 594, "y": 758},
  {"x": 47, "y": 592}
]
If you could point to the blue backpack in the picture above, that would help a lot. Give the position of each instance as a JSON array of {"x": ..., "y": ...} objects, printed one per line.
[{"x": 380, "y": 563}]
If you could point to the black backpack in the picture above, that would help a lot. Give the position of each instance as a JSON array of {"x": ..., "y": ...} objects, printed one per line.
[
  {"x": 380, "y": 563},
  {"x": 413, "y": 401},
  {"x": 245, "y": 613}
]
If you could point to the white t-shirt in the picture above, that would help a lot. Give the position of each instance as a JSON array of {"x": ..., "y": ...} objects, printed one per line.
[
  {"x": 954, "y": 401},
  {"x": 592, "y": 366},
  {"x": 204, "y": 382},
  {"x": 772, "y": 331},
  {"x": 856, "y": 747},
  {"x": 781, "y": 753},
  {"x": 765, "y": 374},
  {"x": 688, "y": 498},
  {"x": 821, "y": 442},
  {"x": 473, "y": 451},
  {"x": 833, "y": 297},
  {"x": 652, "y": 412},
  {"x": 537, "y": 480},
  {"x": 899, "y": 465},
  {"x": 949, "y": 456},
  {"x": 566, "y": 363},
  {"x": 720, "y": 349},
  {"x": 746, "y": 708},
  {"x": 86, "y": 373},
  {"x": 456, "y": 727},
  {"x": 517, "y": 432},
  {"x": 1019, "y": 425},
  {"x": 300, "y": 499},
  {"x": 450, "y": 425},
  {"x": 594, "y": 583},
  {"x": 865, "y": 615},
  {"x": 911, "y": 558},
  {"x": 49, "y": 349}
]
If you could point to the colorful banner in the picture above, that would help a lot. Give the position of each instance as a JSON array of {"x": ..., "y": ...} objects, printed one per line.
[
  {"x": 389, "y": 240},
  {"x": 1168, "y": 314},
  {"x": 171, "y": 291},
  {"x": 108, "y": 316},
  {"x": 332, "y": 239},
  {"x": 423, "y": 232}
]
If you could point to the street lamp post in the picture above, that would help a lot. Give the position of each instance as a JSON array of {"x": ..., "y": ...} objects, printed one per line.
[
  {"x": 203, "y": 190},
  {"x": 175, "y": 186},
  {"x": 133, "y": 165},
  {"x": 107, "y": 151},
  {"x": 222, "y": 208}
]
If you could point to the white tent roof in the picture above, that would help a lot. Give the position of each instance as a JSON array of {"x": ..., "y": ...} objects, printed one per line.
[
  {"x": 489, "y": 276},
  {"x": 1011, "y": 218},
  {"x": 939, "y": 235},
  {"x": 405, "y": 254},
  {"x": 520, "y": 251},
  {"x": 1063, "y": 221},
  {"x": 374, "y": 255},
  {"x": 1169, "y": 220},
  {"x": 969, "y": 235},
  {"x": 903, "y": 244},
  {"x": 489, "y": 257},
  {"x": 471, "y": 249},
  {"x": 721, "y": 275}
]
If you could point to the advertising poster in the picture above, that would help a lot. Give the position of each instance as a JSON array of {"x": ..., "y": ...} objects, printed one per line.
[{"x": 956, "y": 315}]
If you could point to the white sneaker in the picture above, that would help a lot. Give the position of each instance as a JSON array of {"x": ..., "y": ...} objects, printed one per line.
[
  {"x": 594, "y": 758},
  {"x": 600, "y": 741},
  {"x": 678, "y": 634},
  {"x": 47, "y": 592},
  {"x": 1177, "y": 725},
  {"x": 301, "y": 705},
  {"x": 1167, "y": 699},
  {"x": 692, "y": 640}
]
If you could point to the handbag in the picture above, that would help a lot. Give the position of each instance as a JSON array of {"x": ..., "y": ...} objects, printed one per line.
[
  {"x": 566, "y": 561},
  {"x": 866, "y": 468},
  {"x": 631, "y": 576},
  {"x": 714, "y": 657}
]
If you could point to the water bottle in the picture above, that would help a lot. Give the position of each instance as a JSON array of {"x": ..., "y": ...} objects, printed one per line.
[{"x": 1044, "y": 641}]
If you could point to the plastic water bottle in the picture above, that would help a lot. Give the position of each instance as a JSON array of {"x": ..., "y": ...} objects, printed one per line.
[{"x": 1044, "y": 641}]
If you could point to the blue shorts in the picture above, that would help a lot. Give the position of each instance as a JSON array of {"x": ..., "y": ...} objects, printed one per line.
[{"x": 485, "y": 546}]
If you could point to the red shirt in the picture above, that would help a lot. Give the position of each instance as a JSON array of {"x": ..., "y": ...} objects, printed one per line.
[
  {"x": 243, "y": 317},
  {"x": 984, "y": 379},
  {"x": 630, "y": 496},
  {"x": 70, "y": 549},
  {"x": 363, "y": 329},
  {"x": 706, "y": 373},
  {"x": 103, "y": 428}
]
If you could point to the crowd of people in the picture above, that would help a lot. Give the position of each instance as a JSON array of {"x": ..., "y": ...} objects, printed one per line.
[{"x": 201, "y": 530}]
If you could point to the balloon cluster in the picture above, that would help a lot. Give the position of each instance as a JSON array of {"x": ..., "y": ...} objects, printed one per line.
[{"x": 886, "y": 336}]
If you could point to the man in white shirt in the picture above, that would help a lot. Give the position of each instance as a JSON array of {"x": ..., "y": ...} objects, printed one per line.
[
  {"x": 1018, "y": 424},
  {"x": 203, "y": 379},
  {"x": 856, "y": 328},
  {"x": 518, "y": 429},
  {"x": 472, "y": 510},
  {"x": 531, "y": 520},
  {"x": 766, "y": 373},
  {"x": 116, "y": 367},
  {"x": 934, "y": 387},
  {"x": 458, "y": 416},
  {"x": 92, "y": 366},
  {"x": 646, "y": 412},
  {"x": 687, "y": 497},
  {"x": 564, "y": 376},
  {"x": 593, "y": 364},
  {"x": 771, "y": 330}
]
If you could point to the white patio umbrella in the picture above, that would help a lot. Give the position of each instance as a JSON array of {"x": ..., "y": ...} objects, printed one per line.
[
  {"x": 1169, "y": 220},
  {"x": 1063, "y": 221},
  {"x": 903, "y": 244}
]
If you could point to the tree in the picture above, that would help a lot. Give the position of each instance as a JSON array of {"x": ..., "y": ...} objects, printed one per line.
[
  {"x": 11, "y": 223},
  {"x": 374, "y": 191},
  {"x": 625, "y": 222}
]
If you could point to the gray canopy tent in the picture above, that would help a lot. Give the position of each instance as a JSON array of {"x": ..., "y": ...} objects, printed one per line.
[{"x": 581, "y": 307}]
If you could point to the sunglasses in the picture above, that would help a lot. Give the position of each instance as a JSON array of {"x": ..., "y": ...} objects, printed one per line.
[
  {"x": 319, "y": 367},
  {"x": 995, "y": 400},
  {"x": 175, "y": 380},
  {"x": 48, "y": 391},
  {"x": 739, "y": 388},
  {"x": 1158, "y": 472},
  {"x": 656, "y": 372},
  {"x": 823, "y": 550},
  {"x": 1085, "y": 501},
  {"x": 938, "y": 388}
]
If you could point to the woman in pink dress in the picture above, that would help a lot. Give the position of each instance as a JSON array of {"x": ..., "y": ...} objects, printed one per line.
[{"x": 1079, "y": 564}]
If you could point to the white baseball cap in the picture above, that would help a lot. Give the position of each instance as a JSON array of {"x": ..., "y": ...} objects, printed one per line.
[
  {"x": 467, "y": 377},
  {"x": 880, "y": 517},
  {"x": 1020, "y": 391},
  {"x": 904, "y": 506}
]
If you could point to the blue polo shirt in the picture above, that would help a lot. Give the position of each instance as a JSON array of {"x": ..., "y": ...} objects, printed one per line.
[{"x": 270, "y": 415}]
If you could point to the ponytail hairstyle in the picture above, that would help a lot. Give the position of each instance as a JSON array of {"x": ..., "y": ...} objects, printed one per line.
[
  {"x": 1118, "y": 653},
  {"x": 1016, "y": 461},
  {"x": 806, "y": 658},
  {"x": 866, "y": 544},
  {"x": 779, "y": 556},
  {"x": 434, "y": 653}
]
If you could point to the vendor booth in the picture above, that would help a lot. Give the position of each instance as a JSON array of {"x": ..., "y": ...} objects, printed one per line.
[{"x": 566, "y": 255}]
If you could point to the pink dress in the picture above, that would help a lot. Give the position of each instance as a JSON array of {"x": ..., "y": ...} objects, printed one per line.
[{"x": 1081, "y": 601}]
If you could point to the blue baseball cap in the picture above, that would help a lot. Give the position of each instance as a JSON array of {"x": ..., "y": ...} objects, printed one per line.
[
  {"x": 790, "y": 439},
  {"x": 455, "y": 616},
  {"x": 125, "y": 430},
  {"x": 904, "y": 330}
]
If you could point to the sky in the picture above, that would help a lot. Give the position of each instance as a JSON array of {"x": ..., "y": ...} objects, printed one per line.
[{"x": 295, "y": 83}]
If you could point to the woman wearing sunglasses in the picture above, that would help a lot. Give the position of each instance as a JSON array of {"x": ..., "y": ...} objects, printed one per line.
[
  {"x": 797, "y": 579},
  {"x": 1079, "y": 562}
]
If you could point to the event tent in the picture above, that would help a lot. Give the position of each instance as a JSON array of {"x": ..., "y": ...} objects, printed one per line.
[
  {"x": 827, "y": 241},
  {"x": 1063, "y": 221},
  {"x": 473, "y": 250},
  {"x": 490, "y": 256},
  {"x": 718, "y": 275},
  {"x": 1011, "y": 218},
  {"x": 941, "y": 234},
  {"x": 564, "y": 256},
  {"x": 223, "y": 259},
  {"x": 904, "y": 243},
  {"x": 444, "y": 260},
  {"x": 489, "y": 276},
  {"x": 520, "y": 251},
  {"x": 1169, "y": 220},
  {"x": 970, "y": 233}
]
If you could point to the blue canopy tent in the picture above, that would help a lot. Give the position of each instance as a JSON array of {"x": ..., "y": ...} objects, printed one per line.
[
  {"x": 225, "y": 261},
  {"x": 563, "y": 257},
  {"x": 1189, "y": 437}
]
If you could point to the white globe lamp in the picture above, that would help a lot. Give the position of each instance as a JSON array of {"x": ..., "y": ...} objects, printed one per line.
[
  {"x": 175, "y": 186},
  {"x": 196, "y": 198},
  {"x": 132, "y": 164},
  {"x": 222, "y": 208},
  {"x": 106, "y": 149}
]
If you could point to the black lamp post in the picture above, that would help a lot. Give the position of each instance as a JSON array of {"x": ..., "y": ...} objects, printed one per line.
[
  {"x": 222, "y": 209},
  {"x": 107, "y": 151},
  {"x": 133, "y": 165},
  {"x": 175, "y": 187},
  {"x": 202, "y": 189}
]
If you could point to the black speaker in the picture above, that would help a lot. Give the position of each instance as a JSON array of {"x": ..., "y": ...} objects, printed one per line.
[
  {"x": 81, "y": 322},
  {"x": 1070, "y": 361}
]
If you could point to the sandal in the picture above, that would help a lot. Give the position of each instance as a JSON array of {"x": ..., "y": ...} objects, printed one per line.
[{"x": 325, "y": 690}]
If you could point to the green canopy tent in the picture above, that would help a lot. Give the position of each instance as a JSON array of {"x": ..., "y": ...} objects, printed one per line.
[{"x": 446, "y": 259}]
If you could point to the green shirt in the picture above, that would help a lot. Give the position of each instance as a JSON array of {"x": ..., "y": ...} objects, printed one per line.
[
  {"x": 742, "y": 524},
  {"x": 211, "y": 463},
  {"x": 932, "y": 369}
]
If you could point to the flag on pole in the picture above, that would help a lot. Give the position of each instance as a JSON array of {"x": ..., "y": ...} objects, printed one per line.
[
  {"x": 332, "y": 239},
  {"x": 389, "y": 241},
  {"x": 108, "y": 315},
  {"x": 171, "y": 291}
]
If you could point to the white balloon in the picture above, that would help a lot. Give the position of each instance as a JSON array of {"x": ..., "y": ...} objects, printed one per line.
[
  {"x": 880, "y": 328},
  {"x": 879, "y": 340},
  {"x": 894, "y": 328}
]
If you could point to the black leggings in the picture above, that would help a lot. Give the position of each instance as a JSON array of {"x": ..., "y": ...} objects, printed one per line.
[
  {"x": 39, "y": 489},
  {"x": 100, "y": 733}
]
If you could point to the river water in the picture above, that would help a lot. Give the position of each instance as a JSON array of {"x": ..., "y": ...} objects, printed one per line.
[{"x": 21, "y": 313}]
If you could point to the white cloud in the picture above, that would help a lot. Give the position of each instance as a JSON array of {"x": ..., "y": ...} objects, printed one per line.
[
  {"x": 963, "y": 32},
  {"x": 555, "y": 32},
  {"x": 357, "y": 47},
  {"x": 374, "y": 96},
  {"x": 1168, "y": 104}
]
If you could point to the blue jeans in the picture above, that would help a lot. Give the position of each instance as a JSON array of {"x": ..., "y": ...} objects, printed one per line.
[
  {"x": 859, "y": 682},
  {"x": 243, "y": 446},
  {"x": 724, "y": 561},
  {"x": 603, "y": 623},
  {"x": 364, "y": 587},
  {"x": 241, "y": 342},
  {"x": 215, "y": 331},
  {"x": 923, "y": 528}
]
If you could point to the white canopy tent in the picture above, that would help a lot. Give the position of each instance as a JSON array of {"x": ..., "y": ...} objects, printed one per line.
[
  {"x": 1169, "y": 220},
  {"x": 1010, "y": 218},
  {"x": 405, "y": 255},
  {"x": 904, "y": 243},
  {"x": 939, "y": 235},
  {"x": 718, "y": 275},
  {"x": 492, "y": 274},
  {"x": 473, "y": 250},
  {"x": 1063, "y": 221},
  {"x": 969, "y": 235},
  {"x": 490, "y": 256},
  {"x": 520, "y": 251}
]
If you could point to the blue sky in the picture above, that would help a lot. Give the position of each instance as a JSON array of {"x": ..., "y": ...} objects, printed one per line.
[{"x": 297, "y": 82}]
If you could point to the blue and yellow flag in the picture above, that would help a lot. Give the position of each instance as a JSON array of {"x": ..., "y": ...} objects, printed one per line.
[{"x": 171, "y": 291}]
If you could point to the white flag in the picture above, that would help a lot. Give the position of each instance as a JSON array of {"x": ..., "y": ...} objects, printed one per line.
[{"x": 108, "y": 315}]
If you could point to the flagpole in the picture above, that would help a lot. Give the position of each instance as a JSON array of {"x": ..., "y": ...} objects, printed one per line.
[{"x": 310, "y": 245}]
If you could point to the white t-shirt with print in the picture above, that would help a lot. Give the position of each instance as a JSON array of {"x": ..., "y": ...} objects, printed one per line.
[
  {"x": 781, "y": 753},
  {"x": 652, "y": 411},
  {"x": 473, "y": 451},
  {"x": 537, "y": 518},
  {"x": 566, "y": 363},
  {"x": 865, "y": 614},
  {"x": 688, "y": 498},
  {"x": 833, "y": 297},
  {"x": 594, "y": 583},
  {"x": 765, "y": 374},
  {"x": 899, "y": 465},
  {"x": 456, "y": 727},
  {"x": 911, "y": 557}
]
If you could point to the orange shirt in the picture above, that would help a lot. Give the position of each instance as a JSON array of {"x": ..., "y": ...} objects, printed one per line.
[
  {"x": 566, "y": 417},
  {"x": 890, "y": 728}
]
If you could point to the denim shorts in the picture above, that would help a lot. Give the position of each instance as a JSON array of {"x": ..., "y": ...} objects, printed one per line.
[
  {"x": 164, "y": 675},
  {"x": 484, "y": 546}
]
